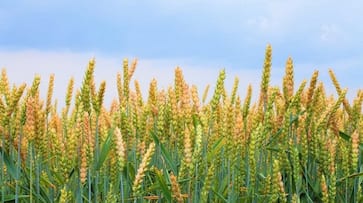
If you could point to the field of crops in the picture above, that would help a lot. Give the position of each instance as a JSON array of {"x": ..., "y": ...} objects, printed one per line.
[{"x": 291, "y": 145}]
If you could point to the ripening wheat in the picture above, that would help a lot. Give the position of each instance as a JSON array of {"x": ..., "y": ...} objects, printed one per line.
[{"x": 291, "y": 145}]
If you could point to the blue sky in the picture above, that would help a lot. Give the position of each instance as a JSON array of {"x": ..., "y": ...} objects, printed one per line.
[{"x": 200, "y": 36}]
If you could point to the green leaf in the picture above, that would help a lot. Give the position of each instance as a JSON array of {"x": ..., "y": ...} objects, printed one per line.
[
  {"x": 11, "y": 198},
  {"x": 164, "y": 187},
  {"x": 165, "y": 153},
  {"x": 130, "y": 172},
  {"x": 223, "y": 185},
  {"x": 347, "y": 137},
  {"x": 344, "y": 136},
  {"x": 215, "y": 149},
  {"x": 105, "y": 149},
  {"x": 43, "y": 195},
  {"x": 351, "y": 176},
  {"x": 11, "y": 168},
  {"x": 273, "y": 149},
  {"x": 219, "y": 195}
]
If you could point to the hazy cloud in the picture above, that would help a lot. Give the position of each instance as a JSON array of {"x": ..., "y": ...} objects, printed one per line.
[
  {"x": 200, "y": 36},
  {"x": 66, "y": 65}
]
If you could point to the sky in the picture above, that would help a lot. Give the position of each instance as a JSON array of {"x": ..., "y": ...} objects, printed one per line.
[{"x": 202, "y": 37}]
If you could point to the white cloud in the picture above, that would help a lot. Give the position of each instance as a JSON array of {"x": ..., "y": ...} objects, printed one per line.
[
  {"x": 330, "y": 33},
  {"x": 261, "y": 22},
  {"x": 23, "y": 65}
]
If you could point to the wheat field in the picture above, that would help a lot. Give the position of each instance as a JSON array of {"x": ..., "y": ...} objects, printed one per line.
[{"x": 295, "y": 143}]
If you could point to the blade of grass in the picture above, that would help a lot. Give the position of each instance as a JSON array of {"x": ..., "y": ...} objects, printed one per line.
[
  {"x": 350, "y": 176},
  {"x": 12, "y": 198},
  {"x": 215, "y": 148},
  {"x": 347, "y": 137},
  {"x": 165, "y": 153},
  {"x": 105, "y": 149},
  {"x": 164, "y": 187},
  {"x": 9, "y": 163},
  {"x": 220, "y": 196}
]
